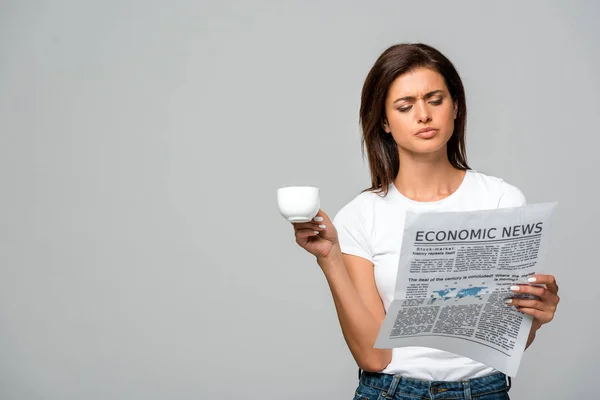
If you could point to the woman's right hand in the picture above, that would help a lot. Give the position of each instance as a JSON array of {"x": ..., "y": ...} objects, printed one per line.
[{"x": 319, "y": 244}]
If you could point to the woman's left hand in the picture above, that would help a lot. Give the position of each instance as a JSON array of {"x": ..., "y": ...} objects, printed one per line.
[{"x": 543, "y": 308}]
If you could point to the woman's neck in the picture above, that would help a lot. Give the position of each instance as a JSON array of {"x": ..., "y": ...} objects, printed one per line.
[{"x": 427, "y": 179}]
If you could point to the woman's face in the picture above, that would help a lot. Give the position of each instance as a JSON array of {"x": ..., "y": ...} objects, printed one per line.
[{"x": 419, "y": 100}]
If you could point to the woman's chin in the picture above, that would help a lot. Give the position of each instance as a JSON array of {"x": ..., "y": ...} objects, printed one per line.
[{"x": 428, "y": 148}]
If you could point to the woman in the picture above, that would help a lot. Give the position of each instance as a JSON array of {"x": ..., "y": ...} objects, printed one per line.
[{"x": 413, "y": 116}]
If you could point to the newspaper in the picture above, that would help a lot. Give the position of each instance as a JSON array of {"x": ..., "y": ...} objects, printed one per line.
[{"x": 455, "y": 272}]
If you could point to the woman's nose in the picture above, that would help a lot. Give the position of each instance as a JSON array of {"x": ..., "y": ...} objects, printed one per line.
[{"x": 423, "y": 114}]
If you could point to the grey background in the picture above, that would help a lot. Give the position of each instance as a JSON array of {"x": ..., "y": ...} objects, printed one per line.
[{"x": 141, "y": 144}]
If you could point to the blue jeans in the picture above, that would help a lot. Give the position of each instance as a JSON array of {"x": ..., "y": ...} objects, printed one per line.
[{"x": 378, "y": 386}]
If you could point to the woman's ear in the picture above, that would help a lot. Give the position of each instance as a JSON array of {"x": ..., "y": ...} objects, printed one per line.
[
  {"x": 455, "y": 109},
  {"x": 385, "y": 126}
]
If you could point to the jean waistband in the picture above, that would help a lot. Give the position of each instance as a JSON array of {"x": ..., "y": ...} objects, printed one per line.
[{"x": 496, "y": 382}]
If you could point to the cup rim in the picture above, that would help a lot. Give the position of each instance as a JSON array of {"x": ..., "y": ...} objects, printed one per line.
[{"x": 298, "y": 187}]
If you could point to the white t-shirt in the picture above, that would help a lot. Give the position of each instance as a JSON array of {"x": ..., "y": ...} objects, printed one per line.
[{"x": 371, "y": 226}]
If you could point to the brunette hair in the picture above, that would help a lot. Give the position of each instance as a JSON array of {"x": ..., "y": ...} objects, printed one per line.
[{"x": 381, "y": 147}]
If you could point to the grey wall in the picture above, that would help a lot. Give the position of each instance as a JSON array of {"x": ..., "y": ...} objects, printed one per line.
[{"x": 141, "y": 144}]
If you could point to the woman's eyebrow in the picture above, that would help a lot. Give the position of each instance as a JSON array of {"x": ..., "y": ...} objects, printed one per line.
[{"x": 412, "y": 98}]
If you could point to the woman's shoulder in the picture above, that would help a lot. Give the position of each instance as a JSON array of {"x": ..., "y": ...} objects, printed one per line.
[{"x": 508, "y": 194}]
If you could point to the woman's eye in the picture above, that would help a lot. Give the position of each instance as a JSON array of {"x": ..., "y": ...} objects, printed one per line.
[{"x": 433, "y": 102}]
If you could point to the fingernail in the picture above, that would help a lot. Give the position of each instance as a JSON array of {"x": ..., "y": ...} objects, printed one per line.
[
  {"x": 316, "y": 232},
  {"x": 531, "y": 280},
  {"x": 322, "y": 226},
  {"x": 318, "y": 219},
  {"x": 508, "y": 301},
  {"x": 515, "y": 288}
]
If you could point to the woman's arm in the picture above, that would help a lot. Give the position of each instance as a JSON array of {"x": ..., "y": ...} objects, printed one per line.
[
  {"x": 534, "y": 328},
  {"x": 358, "y": 305},
  {"x": 351, "y": 280}
]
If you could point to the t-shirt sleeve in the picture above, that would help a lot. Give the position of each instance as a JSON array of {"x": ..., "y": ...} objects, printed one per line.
[
  {"x": 351, "y": 231},
  {"x": 510, "y": 196}
]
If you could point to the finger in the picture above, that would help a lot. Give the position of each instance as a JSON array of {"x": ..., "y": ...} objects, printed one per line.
[
  {"x": 547, "y": 280},
  {"x": 551, "y": 299},
  {"x": 542, "y": 293},
  {"x": 316, "y": 226},
  {"x": 320, "y": 216},
  {"x": 305, "y": 233},
  {"x": 524, "y": 288},
  {"x": 529, "y": 303},
  {"x": 542, "y": 316}
]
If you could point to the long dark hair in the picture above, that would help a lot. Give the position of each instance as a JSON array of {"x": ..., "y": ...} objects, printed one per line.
[{"x": 381, "y": 147}]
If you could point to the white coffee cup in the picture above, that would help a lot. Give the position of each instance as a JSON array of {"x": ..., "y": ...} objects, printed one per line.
[{"x": 298, "y": 203}]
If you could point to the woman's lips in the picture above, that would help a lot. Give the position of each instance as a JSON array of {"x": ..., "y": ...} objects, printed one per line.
[{"x": 427, "y": 134}]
